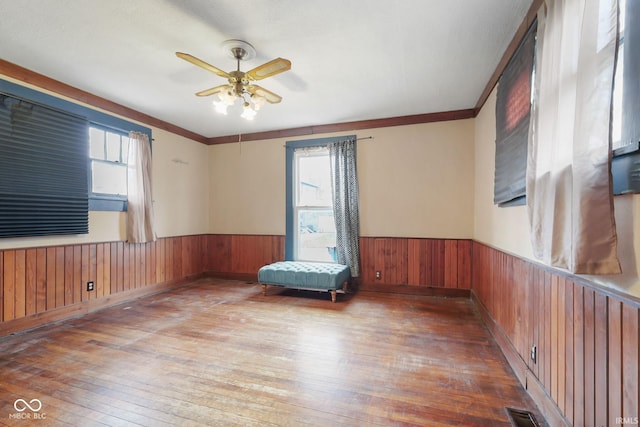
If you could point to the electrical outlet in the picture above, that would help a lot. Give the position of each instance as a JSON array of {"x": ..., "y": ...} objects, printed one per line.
[
  {"x": 378, "y": 275},
  {"x": 534, "y": 353},
  {"x": 90, "y": 286}
]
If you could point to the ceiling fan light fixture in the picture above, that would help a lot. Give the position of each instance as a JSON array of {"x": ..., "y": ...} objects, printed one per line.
[
  {"x": 241, "y": 83},
  {"x": 258, "y": 101},
  {"x": 220, "y": 107},
  {"x": 248, "y": 112}
]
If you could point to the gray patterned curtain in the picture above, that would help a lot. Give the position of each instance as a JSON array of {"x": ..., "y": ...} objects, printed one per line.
[{"x": 344, "y": 186}]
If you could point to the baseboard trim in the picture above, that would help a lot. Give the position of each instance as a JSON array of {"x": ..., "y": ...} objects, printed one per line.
[
  {"x": 416, "y": 290},
  {"x": 37, "y": 320},
  {"x": 536, "y": 390},
  {"x": 252, "y": 277}
]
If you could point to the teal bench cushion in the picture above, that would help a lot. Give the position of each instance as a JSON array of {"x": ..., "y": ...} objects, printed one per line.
[{"x": 309, "y": 275}]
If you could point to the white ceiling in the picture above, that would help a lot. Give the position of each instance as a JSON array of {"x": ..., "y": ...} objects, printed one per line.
[{"x": 351, "y": 59}]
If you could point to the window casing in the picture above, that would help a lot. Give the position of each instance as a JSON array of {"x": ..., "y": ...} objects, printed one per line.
[{"x": 309, "y": 210}]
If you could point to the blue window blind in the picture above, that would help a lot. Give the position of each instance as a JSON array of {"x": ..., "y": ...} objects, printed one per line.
[{"x": 43, "y": 170}]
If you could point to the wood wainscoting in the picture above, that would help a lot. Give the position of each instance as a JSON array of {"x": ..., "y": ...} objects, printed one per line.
[
  {"x": 438, "y": 263},
  {"x": 587, "y": 338},
  {"x": 45, "y": 284},
  {"x": 240, "y": 256}
]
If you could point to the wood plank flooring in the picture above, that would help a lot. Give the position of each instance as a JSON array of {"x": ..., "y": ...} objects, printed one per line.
[{"x": 218, "y": 352}]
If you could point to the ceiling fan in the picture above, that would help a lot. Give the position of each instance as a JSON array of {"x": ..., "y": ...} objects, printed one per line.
[{"x": 241, "y": 83}]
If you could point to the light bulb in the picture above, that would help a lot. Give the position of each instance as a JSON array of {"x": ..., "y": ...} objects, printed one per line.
[
  {"x": 248, "y": 112},
  {"x": 258, "y": 101}
]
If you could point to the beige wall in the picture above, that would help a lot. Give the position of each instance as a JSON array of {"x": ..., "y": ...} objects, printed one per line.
[
  {"x": 415, "y": 181},
  {"x": 180, "y": 190},
  {"x": 507, "y": 229}
]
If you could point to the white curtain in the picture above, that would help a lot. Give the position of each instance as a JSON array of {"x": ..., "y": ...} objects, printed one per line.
[
  {"x": 140, "y": 217},
  {"x": 569, "y": 196}
]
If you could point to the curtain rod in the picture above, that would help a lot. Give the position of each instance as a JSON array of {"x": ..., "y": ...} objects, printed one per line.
[{"x": 322, "y": 145}]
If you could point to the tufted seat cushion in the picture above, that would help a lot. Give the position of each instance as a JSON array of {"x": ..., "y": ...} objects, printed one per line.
[{"x": 308, "y": 275}]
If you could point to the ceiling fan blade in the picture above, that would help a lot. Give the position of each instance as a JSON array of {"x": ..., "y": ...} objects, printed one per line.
[
  {"x": 200, "y": 63},
  {"x": 271, "y": 97},
  {"x": 269, "y": 69},
  {"x": 212, "y": 91}
]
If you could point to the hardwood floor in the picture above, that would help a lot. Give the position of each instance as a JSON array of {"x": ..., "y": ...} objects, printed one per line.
[{"x": 218, "y": 352}]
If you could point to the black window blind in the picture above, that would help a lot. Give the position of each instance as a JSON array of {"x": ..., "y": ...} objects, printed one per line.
[
  {"x": 43, "y": 170},
  {"x": 513, "y": 107}
]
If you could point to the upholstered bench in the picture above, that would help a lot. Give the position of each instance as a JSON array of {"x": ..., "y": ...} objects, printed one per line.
[{"x": 316, "y": 276}]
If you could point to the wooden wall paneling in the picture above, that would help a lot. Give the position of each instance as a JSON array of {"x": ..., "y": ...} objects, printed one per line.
[
  {"x": 367, "y": 260},
  {"x": 219, "y": 253},
  {"x": 186, "y": 252},
  {"x": 168, "y": 260},
  {"x": 414, "y": 262},
  {"x": 106, "y": 247},
  {"x": 20, "y": 284},
  {"x": 561, "y": 344},
  {"x": 9, "y": 284},
  {"x": 113, "y": 268},
  {"x": 68, "y": 282},
  {"x": 451, "y": 264},
  {"x": 546, "y": 347},
  {"x": 99, "y": 285},
  {"x": 600, "y": 360},
  {"x": 630, "y": 357},
  {"x": 30, "y": 281},
  {"x": 86, "y": 272},
  {"x": 51, "y": 278},
  {"x": 534, "y": 319},
  {"x": 151, "y": 267},
  {"x": 464, "y": 264},
  {"x": 429, "y": 269},
  {"x": 93, "y": 257},
  {"x": 569, "y": 349},
  {"x": 437, "y": 261},
  {"x": 138, "y": 264},
  {"x": 177, "y": 257},
  {"x": 41, "y": 280},
  {"x": 553, "y": 343},
  {"x": 378, "y": 265},
  {"x": 126, "y": 267},
  {"x": 614, "y": 368},
  {"x": 521, "y": 288},
  {"x": 588, "y": 340},
  {"x": 160, "y": 260},
  {"x": 59, "y": 276},
  {"x": 2, "y": 286},
  {"x": 589, "y": 356},
  {"x": 579, "y": 357}
]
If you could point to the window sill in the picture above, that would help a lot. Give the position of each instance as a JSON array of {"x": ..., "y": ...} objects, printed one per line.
[{"x": 108, "y": 205}]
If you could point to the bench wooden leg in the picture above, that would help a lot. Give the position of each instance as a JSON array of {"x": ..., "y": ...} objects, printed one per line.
[
  {"x": 264, "y": 290},
  {"x": 345, "y": 287},
  {"x": 333, "y": 295}
]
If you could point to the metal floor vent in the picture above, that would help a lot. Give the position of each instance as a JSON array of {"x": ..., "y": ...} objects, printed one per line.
[{"x": 520, "y": 418}]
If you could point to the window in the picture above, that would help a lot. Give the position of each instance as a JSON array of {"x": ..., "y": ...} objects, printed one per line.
[
  {"x": 103, "y": 194},
  {"x": 310, "y": 226},
  {"x": 43, "y": 170},
  {"x": 513, "y": 107},
  {"x": 626, "y": 102},
  {"x": 315, "y": 229},
  {"x": 108, "y": 152}
]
